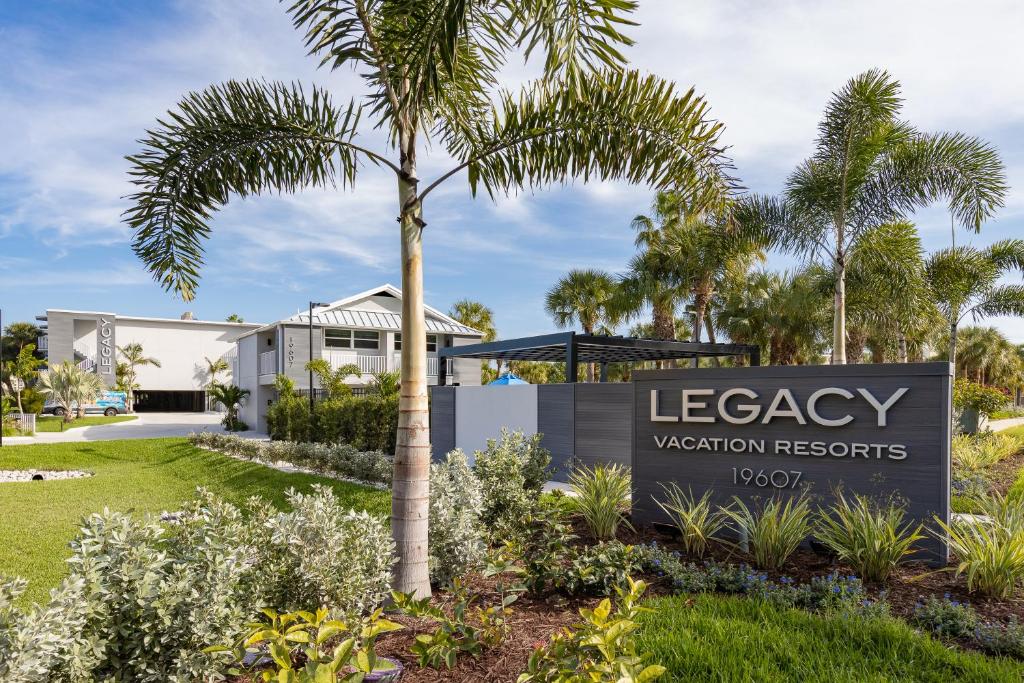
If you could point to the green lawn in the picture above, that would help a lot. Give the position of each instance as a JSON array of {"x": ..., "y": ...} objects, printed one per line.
[
  {"x": 741, "y": 639},
  {"x": 37, "y": 519},
  {"x": 50, "y": 423}
]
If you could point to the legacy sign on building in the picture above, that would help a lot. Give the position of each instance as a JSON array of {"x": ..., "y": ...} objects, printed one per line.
[{"x": 881, "y": 430}]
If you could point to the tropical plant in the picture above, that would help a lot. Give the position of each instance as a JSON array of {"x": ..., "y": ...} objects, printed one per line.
[
  {"x": 512, "y": 471},
  {"x": 869, "y": 169},
  {"x": 134, "y": 357},
  {"x": 871, "y": 538},
  {"x": 990, "y": 555},
  {"x": 17, "y": 336},
  {"x": 968, "y": 395},
  {"x": 386, "y": 383},
  {"x": 214, "y": 368},
  {"x": 601, "y": 497},
  {"x": 431, "y": 70},
  {"x": 70, "y": 387},
  {"x": 481, "y": 318},
  {"x": 234, "y": 318},
  {"x": 332, "y": 380},
  {"x": 986, "y": 356},
  {"x": 231, "y": 397},
  {"x": 966, "y": 282},
  {"x": 456, "y": 536},
  {"x": 782, "y": 313},
  {"x": 697, "y": 519},
  {"x": 22, "y": 370},
  {"x": 585, "y": 297},
  {"x": 310, "y": 647},
  {"x": 773, "y": 530}
]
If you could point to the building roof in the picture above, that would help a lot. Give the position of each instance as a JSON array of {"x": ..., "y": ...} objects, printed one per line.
[
  {"x": 339, "y": 314},
  {"x": 184, "y": 321}
]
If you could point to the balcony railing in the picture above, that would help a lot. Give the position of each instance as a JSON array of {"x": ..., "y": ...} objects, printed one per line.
[
  {"x": 268, "y": 363},
  {"x": 367, "y": 364},
  {"x": 431, "y": 364},
  {"x": 43, "y": 343}
]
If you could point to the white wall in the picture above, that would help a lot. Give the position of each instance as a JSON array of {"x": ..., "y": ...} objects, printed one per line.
[
  {"x": 254, "y": 408},
  {"x": 481, "y": 412},
  {"x": 180, "y": 348}
]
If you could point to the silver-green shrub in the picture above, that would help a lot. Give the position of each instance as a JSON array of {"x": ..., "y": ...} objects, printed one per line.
[
  {"x": 144, "y": 597},
  {"x": 340, "y": 459},
  {"x": 456, "y": 535},
  {"x": 512, "y": 471},
  {"x": 319, "y": 554}
]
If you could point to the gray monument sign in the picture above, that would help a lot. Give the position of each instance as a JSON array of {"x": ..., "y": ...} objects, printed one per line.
[{"x": 882, "y": 430}]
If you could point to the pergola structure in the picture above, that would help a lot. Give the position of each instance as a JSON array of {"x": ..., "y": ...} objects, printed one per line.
[{"x": 572, "y": 348}]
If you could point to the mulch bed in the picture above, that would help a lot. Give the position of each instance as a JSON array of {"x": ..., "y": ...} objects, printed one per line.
[{"x": 1004, "y": 473}]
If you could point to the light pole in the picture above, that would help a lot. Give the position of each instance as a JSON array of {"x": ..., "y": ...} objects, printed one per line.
[{"x": 311, "y": 400}]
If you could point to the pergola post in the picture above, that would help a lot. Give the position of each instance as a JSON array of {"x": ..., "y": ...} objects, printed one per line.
[
  {"x": 570, "y": 358},
  {"x": 755, "y": 357}
]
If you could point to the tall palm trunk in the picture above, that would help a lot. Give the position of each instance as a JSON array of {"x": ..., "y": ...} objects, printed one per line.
[
  {"x": 664, "y": 324},
  {"x": 700, "y": 305},
  {"x": 410, "y": 490},
  {"x": 952, "y": 347},
  {"x": 839, "y": 316},
  {"x": 902, "y": 348}
]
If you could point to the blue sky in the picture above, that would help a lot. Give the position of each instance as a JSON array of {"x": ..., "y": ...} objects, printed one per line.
[{"x": 81, "y": 81}]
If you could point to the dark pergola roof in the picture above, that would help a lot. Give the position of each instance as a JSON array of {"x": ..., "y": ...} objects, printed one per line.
[{"x": 572, "y": 348}]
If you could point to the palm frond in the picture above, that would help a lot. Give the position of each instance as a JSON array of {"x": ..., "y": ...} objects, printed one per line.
[
  {"x": 1003, "y": 300},
  {"x": 239, "y": 138}
]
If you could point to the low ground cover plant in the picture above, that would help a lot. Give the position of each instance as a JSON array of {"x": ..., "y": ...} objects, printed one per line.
[
  {"x": 870, "y": 537},
  {"x": 340, "y": 459}
]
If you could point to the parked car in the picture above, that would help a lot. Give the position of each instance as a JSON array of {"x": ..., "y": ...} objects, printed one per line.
[{"x": 109, "y": 403}]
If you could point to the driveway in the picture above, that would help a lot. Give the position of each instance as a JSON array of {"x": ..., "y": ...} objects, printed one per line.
[{"x": 146, "y": 426}]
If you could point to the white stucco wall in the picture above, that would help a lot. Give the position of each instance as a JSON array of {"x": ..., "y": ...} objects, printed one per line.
[
  {"x": 481, "y": 412},
  {"x": 254, "y": 408},
  {"x": 181, "y": 349}
]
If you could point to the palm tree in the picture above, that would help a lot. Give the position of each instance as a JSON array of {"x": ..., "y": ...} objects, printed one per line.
[
  {"x": 431, "y": 69},
  {"x": 386, "y": 383},
  {"x": 474, "y": 314},
  {"x": 234, "y": 318},
  {"x": 134, "y": 358},
  {"x": 332, "y": 380},
  {"x": 782, "y": 313},
  {"x": 584, "y": 297},
  {"x": 22, "y": 368},
  {"x": 987, "y": 356},
  {"x": 964, "y": 282},
  {"x": 214, "y": 368},
  {"x": 70, "y": 386},
  {"x": 869, "y": 169},
  {"x": 231, "y": 397}
]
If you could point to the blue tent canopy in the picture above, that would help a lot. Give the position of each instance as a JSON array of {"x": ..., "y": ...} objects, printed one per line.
[{"x": 509, "y": 378}]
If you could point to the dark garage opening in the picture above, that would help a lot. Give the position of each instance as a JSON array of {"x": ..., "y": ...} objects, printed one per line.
[{"x": 170, "y": 401}]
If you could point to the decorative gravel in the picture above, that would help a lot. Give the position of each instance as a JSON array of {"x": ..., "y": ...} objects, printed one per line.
[{"x": 8, "y": 476}]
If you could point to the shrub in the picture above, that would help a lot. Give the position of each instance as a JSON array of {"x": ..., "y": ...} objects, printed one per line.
[
  {"x": 543, "y": 547},
  {"x": 601, "y": 498},
  {"x": 773, "y": 531},
  {"x": 870, "y": 538},
  {"x": 456, "y": 535},
  {"x": 969, "y": 395},
  {"x": 989, "y": 554},
  {"x": 600, "y": 648},
  {"x": 1004, "y": 640},
  {"x": 698, "y": 520},
  {"x": 598, "y": 569},
  {"x": 288, "y": 419},
  {"x": 512, "y": 471},
  {"x": 340, "y": 460},
  {"x": 320, "y": 553},
  {"x": 946, "y": 618},
  {"x": 365, "y": 422}
]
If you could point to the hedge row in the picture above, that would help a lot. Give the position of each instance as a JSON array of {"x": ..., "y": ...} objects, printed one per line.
[{"x": 369, "y": 423}]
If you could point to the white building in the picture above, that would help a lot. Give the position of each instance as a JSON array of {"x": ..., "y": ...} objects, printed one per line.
[
  {"x": 91, "y": 338},
  {"x": 363, "y": 329}
]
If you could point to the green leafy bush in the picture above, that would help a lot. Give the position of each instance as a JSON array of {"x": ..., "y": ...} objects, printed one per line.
[
  {"x": 697, "y": 519},
  {"x": 456, "y": 534},
  {"x": 288, "y": 419},
  {"x": 871, "y": 538},
  {"x": 512, "y": 471},
  {"x": 542, "y": 546},
  {"x": 774, "y": 530},
  {"x": 601, "y": 648},
  {"x": 598, "y": 569},
  {"x": 365, "y": 422},
  {"x": 946, "y": 618},
  {"x": 339, "y": 460},
  {"x": 304, "y": 646},
  {"x": 601, "y": 498},
  {"x": 968, "y": 395}
]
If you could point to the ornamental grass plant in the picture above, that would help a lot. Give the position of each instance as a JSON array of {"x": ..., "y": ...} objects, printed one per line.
[
  {"x": 988, "y": 553},
  {"x": 870, "y": 537},
  {"x": 601, "y": 497},
  {"x": 772, "y": 531},
  {"x": 697, "y": 519}
]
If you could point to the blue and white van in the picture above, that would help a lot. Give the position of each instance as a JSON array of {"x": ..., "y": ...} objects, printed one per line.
[{"x": 109, "y": 403}]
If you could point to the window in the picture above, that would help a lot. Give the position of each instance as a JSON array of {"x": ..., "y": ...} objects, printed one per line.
[
  {"x": 431, "y": 342},
  {"x": 351, "y": 339}
]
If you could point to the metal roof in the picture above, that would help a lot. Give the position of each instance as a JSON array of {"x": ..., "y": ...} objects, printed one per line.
[
  {"x": 591, "y": 348},
  {"x": 377, "y": 320}
]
